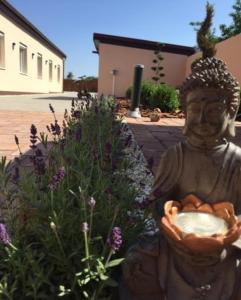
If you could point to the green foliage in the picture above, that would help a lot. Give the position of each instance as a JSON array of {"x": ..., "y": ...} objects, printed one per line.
[
  {"x": 53, "y": 255},
  {"x": 157, "y": 65},
  {"x": 206, "y": 38},
  {"x": 206, "y": 45},
  {"x": 147, "y": 89},
  {"x": 129, "y": 92},
  {"x": 165, "y": 98},
  {"x": 160, "y": 96},
  {"x": 70, "y": 76},
  {"x": 235, "y": 27}
]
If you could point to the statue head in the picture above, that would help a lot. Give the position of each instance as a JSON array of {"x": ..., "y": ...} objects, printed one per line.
[{"x": 210, "y": 97}]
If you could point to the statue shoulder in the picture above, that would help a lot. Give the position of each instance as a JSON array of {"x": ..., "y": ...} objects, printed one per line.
[
  {"x": 235, "y": 152},
  {"x": 173, "y": 151}
]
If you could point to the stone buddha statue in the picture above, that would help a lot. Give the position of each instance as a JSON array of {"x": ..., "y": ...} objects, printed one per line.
[{"x": 207, "y": 165}]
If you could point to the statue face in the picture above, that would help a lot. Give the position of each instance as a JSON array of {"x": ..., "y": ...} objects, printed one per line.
[{"x": 207, "y": 116}]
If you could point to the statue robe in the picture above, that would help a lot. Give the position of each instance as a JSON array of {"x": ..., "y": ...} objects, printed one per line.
[
  {"x": 213, "y": 175},
  {"x": 154, "y": 269}
]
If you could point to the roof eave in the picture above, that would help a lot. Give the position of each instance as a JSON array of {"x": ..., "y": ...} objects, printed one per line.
[{"x": 11, "y": 12}]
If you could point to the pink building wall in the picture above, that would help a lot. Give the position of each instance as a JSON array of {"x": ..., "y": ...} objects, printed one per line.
[{"x": 124, "y": 59}]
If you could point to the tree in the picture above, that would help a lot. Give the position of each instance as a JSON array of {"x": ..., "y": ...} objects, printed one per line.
[
  {"x": 157, "y": 67},
  {"x": 70, "y": 75},
  {"x": 206, "y": 38},
  {"x": 235, "y": 27}
]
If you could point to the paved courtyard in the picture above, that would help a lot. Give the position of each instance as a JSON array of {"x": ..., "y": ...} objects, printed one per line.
[{"x": 18, "y": 112}]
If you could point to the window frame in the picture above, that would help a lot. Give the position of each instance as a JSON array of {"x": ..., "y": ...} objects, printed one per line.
[
  {"x": 50, "y": 70},
  {"x": 39, "y": 69},
  {"x": 2, "y": 46},
  {"x": 23, "y": 60},
  {"x": 58, "y": 73}
]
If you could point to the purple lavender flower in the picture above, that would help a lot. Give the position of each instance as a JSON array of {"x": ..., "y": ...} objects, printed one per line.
[
  {"x": 55, "y": 128},
  {"x": 76, "y": 114},
  {"x": 78, "y": 134},
  {"x": 51, "y": 108},
  {"x": 115, "y": 240},
  {"x": 150, "y": 162},
  {"x": 33, "y": 136},
  {"x": 39, "y": 163},
  {"x": 16, "y": 175},
  {"x": 109, "y": 190},
  {"x": 84, "y": 227},
  {"x": 143, "y": 204},
  {"x": 128, "y": 141},
  {"x": 4, "y": 236},
  {"x": 48, "y": 128},
  {"x": 57, "y": 178},
  {"x": 16, "y": 139},
  {"x": 107, "y": 148},
  {"x": 92, "y": 203}
]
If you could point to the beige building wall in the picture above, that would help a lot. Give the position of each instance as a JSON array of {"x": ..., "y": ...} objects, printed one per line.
[
  {"x": 10, "y": 77},
  {"x": 229, "y": 51},
  {"x": 124, "y": 59}
]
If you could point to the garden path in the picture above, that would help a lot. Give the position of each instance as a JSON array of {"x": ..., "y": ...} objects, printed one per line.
[{"x": 156, "y": 137}]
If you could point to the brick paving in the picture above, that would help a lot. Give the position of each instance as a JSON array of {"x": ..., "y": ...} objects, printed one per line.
[
  {"x": 19, "y": 122},
  {"x": 156, "y": 137}
]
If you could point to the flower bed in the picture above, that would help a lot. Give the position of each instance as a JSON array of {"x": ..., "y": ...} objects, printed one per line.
[{"x": 78, "y": 209}]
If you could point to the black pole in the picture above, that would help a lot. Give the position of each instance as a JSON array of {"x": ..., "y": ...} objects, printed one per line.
[
  {"x": 136, "y": 93},
  {"x": 134, "y": 112}
]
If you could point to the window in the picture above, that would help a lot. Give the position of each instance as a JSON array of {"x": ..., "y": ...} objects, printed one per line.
[
  {"x": 23, "y": 58},
  {"x": 58, "y": 73},
  {"x": 2, "y": 50},
  {"x": 50, "y": 70},
  {"x": 39, "y": 65}
]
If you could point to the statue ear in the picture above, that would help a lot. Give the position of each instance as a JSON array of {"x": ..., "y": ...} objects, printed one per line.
[
  {"x": 230, "y": 130},
  {"x": 184, "y": 130}
]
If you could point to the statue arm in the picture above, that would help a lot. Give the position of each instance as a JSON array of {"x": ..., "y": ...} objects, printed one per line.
[{"x": 167, "y": 175}]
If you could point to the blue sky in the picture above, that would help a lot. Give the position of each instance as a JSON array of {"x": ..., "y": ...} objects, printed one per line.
[{"x": 70, "y": 24}]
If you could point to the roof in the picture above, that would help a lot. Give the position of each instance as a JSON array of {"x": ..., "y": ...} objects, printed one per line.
[
  {"x": 8, "y": 10},
  {"x": 141, "y": 44}
]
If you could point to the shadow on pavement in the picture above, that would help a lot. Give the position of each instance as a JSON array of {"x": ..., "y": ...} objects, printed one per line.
[{"x": 56, "y": 98}]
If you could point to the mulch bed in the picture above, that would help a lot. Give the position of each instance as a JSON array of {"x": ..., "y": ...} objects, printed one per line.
[{"x": 123, "y": 105}]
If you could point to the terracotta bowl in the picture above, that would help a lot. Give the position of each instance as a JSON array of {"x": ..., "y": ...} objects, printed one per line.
[{"x": 207, "y": 238}]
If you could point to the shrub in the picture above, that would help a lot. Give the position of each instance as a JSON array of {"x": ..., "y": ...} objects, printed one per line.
[
  {"x": 147, "y": 89},
  {"x": 165, "y": 98}
]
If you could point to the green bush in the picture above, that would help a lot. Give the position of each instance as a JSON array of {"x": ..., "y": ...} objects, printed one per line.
[
  {"x": 160, "y": 96},
  {"x": 165, "y": 98},
  {"x": 147, "y": 89},
  {"x": 128, "y": 92}
]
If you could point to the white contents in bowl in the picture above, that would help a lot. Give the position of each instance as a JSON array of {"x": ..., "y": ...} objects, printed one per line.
[{"x": 200, "y": 223}]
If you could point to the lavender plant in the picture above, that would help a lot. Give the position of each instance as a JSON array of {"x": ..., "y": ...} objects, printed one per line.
[{"x": 75, "y": 202}]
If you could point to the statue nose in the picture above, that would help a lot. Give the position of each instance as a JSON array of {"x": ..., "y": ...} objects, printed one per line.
[{"x": 202, "y": 117}]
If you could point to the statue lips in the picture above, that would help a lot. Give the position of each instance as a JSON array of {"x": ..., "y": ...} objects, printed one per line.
[
  {"x": 204, "y": 130},
  {"x": 192, "y": 241}
]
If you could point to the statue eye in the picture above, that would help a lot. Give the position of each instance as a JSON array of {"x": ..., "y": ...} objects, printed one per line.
[{"x": 193, "y": 108}]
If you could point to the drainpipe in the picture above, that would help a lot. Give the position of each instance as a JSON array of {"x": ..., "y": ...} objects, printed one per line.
[{"x": 134, "y": 112}]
